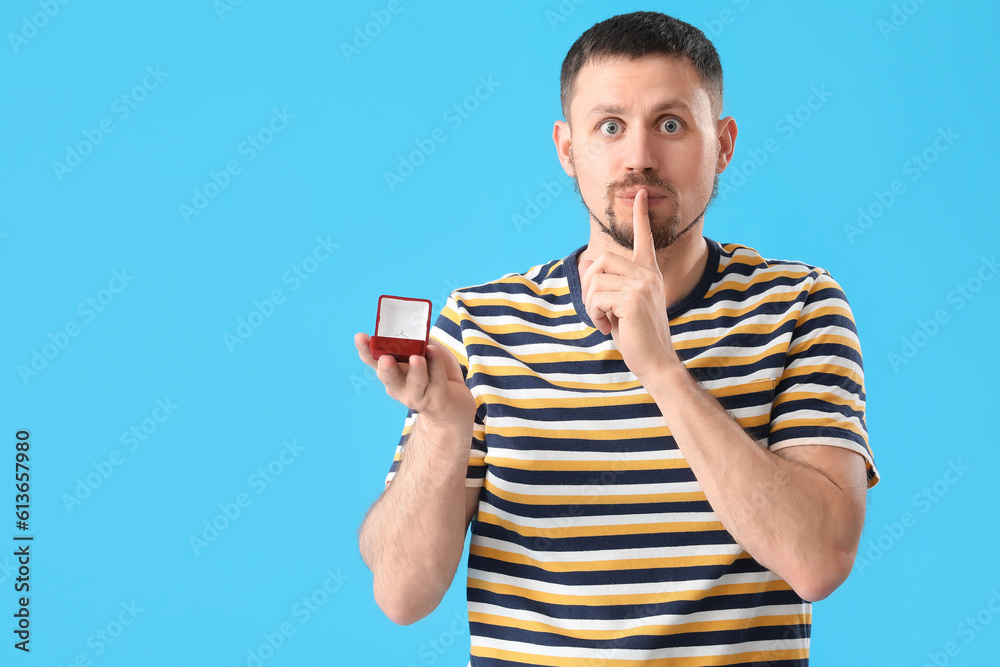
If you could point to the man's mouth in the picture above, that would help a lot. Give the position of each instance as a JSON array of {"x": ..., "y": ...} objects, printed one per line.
[
  {"x": 628, "y": 196},
  {"x": 630, "y": 199}
]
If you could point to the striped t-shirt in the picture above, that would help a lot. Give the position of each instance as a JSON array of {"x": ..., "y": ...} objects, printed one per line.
[{"x": 593, "y": 543}]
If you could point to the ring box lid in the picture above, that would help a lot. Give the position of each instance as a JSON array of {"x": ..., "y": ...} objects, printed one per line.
[{"x": 402, "y": 327}]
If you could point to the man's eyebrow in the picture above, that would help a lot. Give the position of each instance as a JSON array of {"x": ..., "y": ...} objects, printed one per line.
[{"x": 618, "y": 110}]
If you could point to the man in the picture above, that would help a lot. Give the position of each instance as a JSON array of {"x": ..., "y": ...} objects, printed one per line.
[{"x": 661, "y": 439}]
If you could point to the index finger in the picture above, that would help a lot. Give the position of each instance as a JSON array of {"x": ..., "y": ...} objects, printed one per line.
[{"x": 643, "y": 252}]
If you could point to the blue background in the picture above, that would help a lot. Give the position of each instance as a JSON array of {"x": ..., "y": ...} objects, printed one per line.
[{"x": 896, "y": 74}]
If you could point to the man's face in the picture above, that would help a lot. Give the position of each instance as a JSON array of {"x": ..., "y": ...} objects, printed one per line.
[{"x": 643, "y": 123}]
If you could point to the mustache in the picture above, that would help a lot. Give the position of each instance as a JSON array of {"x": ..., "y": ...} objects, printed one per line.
[{"x": 639, "y": 180}]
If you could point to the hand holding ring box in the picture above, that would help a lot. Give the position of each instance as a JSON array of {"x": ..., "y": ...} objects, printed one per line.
[{"x": 402, "y": 327}]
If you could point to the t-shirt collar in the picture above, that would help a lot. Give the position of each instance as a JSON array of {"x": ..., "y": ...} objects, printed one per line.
[{"x": 679, "y": 308}]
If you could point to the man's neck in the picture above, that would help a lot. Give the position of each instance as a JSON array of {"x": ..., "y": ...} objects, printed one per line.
[{"x": 682, "y": 263}]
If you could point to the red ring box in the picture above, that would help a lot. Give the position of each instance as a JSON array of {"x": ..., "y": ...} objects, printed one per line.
[{"x": 402, "y": 327}]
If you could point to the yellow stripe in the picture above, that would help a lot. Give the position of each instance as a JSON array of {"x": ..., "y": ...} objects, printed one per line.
[
  {"x": 526, "y": 327},
  {"x": 767, "y": 276},
  {"x": 572, "y": 401},
  {"x": 814, "y": 423},
  {"x": 521, "y": 306},
  {"x": 559, "y": 465},
  {"x": 716, "y": 313},
  {"x": 581, "y": 434},
  {"x": 605, "y": 565},
  {"x": 823, "y": 368},
  {"x": 592, "y": 600},
  {"x": 718, "y": 361},
  {"x": 520, "y": 281},
  {"x": 733, "y": 625},
  {"x": 846, "y": 341},
  {"x": 556, "y": 532},
  {"x": 594, "y": 661},
  {"x": 513, "y": 371},
  {"x": 590, "y": 499},
  {"x": 813, "y": 396}
]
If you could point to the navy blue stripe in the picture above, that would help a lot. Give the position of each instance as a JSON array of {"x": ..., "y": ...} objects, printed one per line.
[
  {"x": 593, "y": 479},
  {"x": 764, "y": 633},
  {"x": 591, "y": 509},
  {"x": 611, "y": 577},
  {"x": 554, "y": 543},
  {"x": 822, "y": 379},
  {"x": 554, "y": 443},
  {"x": 617, "y": 612}
]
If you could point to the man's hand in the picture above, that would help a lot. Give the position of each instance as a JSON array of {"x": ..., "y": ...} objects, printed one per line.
[
  {"x": 626, "y": 299},
  {"x": 434, "y": 386}
]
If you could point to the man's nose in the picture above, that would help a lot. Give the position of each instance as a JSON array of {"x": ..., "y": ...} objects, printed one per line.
[{"x": 639, "y": 154}]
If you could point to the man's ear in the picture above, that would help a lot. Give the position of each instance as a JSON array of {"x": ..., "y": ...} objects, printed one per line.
[
  {"x": 562, "y": 137},
  {"x": 727, "y": 143}
]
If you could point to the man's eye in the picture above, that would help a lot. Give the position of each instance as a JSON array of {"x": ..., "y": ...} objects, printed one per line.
[
  {"x": 611, "y": 127},
  {"x": 672, "y": 125}
]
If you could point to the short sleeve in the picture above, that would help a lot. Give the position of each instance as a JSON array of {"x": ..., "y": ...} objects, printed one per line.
[
  {"x": 448, "y": 331},
  {"x": 820, "y": 398}
]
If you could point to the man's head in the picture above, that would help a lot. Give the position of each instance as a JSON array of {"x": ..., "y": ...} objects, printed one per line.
[{"x": 641, "y": 95}]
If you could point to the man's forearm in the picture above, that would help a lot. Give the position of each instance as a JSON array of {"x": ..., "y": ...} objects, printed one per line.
[
  {"x": 412, "y": 538},
  {"x": 790, "y": 517}
]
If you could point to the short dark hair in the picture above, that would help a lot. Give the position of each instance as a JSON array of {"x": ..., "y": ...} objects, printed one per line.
[{"x": 638, "y": 34}]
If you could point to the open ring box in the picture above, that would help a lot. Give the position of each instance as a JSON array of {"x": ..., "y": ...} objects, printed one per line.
[{"x": 402, "y": 327}]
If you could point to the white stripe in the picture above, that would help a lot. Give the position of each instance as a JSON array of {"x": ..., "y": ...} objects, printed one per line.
[
  {"x": 496, "y": 321},
  {"x": 552, "y": 393},
  {"x": 818, "y": 417},
  {"x": 838, "y": 362},
  {"x": 584, "y": 591},
  {"x": 526, "y": 297},
  {"x": 819, "y": 390},
  {"x": 622, "y": 624},
  {"x": 760, "y": 276},
  {"x": 579, "y": 424},
  {"x": 592, "y": 490},
  {"x": 769, "y": 295},
  {"x": 554, "y": 455},
  {"x": 587, "y": 654},
  {"x": 562, "y": 522},
  {"x": 815, "y": 334},
  {"x": 621, "y": 556}
]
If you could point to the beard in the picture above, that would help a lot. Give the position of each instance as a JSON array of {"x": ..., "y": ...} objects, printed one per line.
[{"x": 666, "y": 228}]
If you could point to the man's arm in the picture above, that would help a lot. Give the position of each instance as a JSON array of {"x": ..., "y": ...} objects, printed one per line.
[
  {"x": 798, "y": 511},
  {"x": 413, "y": 536}
]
